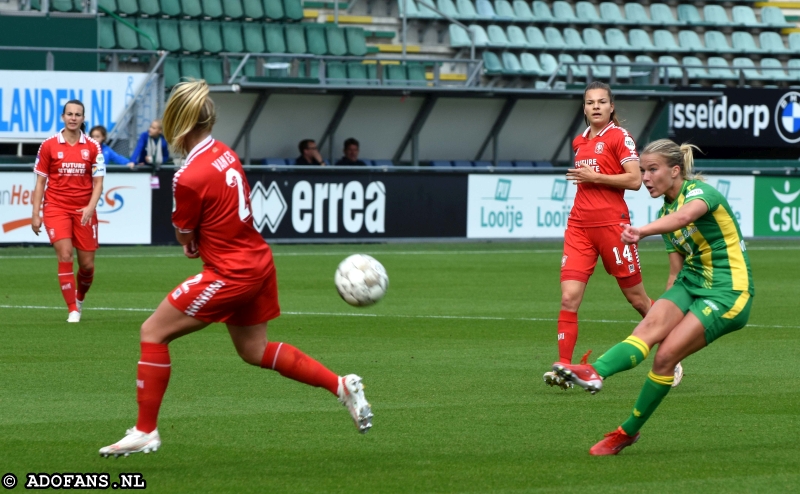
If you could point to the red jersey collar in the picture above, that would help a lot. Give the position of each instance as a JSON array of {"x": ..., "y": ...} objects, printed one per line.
[
  {"x": 61, "y": 139},
  {"x": 199, "y": 148},
  {"x": 600, "y": 134}
]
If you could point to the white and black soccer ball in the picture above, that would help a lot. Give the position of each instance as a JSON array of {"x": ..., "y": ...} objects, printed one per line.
[{"x": 361, "y": 280}]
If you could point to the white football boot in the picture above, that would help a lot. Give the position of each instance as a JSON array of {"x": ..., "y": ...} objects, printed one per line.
[
  {"x": 552, "y": 379},
  {"x": 74, "y": 316},
  {"x": 79, "y": 303},
  {"x": 678, "y": 375},
  {"x": 351, "y": 395},
  {"x": 135, "y": 441}
]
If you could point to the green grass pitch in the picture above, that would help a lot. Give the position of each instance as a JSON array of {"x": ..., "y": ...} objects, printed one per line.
[{"x": 452, "y": 360}]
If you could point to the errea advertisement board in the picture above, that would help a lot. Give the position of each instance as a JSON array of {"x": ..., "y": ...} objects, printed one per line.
[{"x": 124, "y": 209}]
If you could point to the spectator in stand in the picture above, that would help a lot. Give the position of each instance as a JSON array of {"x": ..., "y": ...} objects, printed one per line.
[
  {"x": 152, "y": 148},
  {"x": 350, "y": 158},
  {"x": 99, "y": 134},
  {"x": 309, "y": 154}
]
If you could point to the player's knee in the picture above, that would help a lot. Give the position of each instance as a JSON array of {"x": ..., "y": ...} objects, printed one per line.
[
  {"x": 665, "y": 361},
  {"x": 64, "y": 256},
  {"x": 87, "y": 266},
  {"x": 570, "y": 301}
]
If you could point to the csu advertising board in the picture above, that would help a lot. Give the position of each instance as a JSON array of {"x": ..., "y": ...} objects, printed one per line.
[
  {"x": 752, "y": 117},
  {"x": 31, "y": 101},
  {"x": 777, "y": 207}
]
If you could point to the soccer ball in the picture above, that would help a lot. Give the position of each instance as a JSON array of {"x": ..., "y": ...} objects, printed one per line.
[{"x": 361, "y": 280}]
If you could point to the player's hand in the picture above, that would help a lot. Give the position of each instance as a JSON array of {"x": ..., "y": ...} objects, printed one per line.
[
  {"x": 191, "y": 251},
  {"x": 630, "y": 234},
  {"x": 86, "y": 215},
  {"x": 584, "y": 174},
  {"x": 131, "y": 165},
  {"x": 36, "y": 224}
]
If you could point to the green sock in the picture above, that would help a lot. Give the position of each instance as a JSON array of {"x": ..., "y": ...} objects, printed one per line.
[
  {"x": 654, "y": 390},
  {"x": 622, "y": 356}
]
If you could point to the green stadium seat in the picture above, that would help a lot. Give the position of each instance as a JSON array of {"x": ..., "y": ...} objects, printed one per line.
[
  {"x": 491, "y": 64},
  {"x": 106, "y": 38},
  {"x": 665, "y": 41},
  {"x": 673, "y": 73},
  {"x": 530, "y": 65},
  {"x": 233, "y": 9},
  {"x": 505, "y": 11},
  {"x": 466, "y": 10},
  {"x": 295, "y": 38},
  {"x": 190, "y": 36},
  {"x": 577, "y": 70},
  {"x": 315, "y": 39},
  {"x": 748, "y": 67},
  {"x": 600, "y": 70},
  {"x": 426, "y": 12},
  {"x": 516, "y": 37},
  {"x": 511, "y": 65},
  {"x": 716, "y": 15},
  {"x": 152, "y": 8},
  {"x": 497, "y": 36},
  {"x": 253, "y": 37},
  {"x": 718, "y": 68},
  {"x": 191, "y": 8},
  {"x": 253, "y": 9},
  {"x": 127, "y": 38},
  {"x": 589, "y": 64},
  {"x": 645, "y": 59},
  {"x": 336, "y": 73},
  {"x": 523, "y": 12},
  {"x": 773, "y": 16},
  {"x": 542, "y": 12},
  {"x": 212, "y": 70},
  {"x": 695, "y": 68},
  {"x": 127, "y": 7},
  {"x": 548, "y": 63},
  {"x": 273, "y": 37},
  {"x": 356, "y": 41},
  {"x": 662, "y": 14},
  {"x": 562, "y": 12},
  {"x": 273, "y": 9},
  {"x": 416, "y": 74},
  {"x": 213, "y": 9},
  {"x": 793, "y": 66},
  {"x": 337, "y": 45},
  {"x": 150, "y": 27},
  {"x": 481, "y": 38},
  {"x": 232, "y": 37},
  {"x": 357, "y": 74},
  {"x": 573, "y": 39},
  {"x": 413, "y": 12},
  {"x": 62, "y": 6},
  {"x": 485, "y": 10},
  {"x": 395, "y": 75},
  {"x": 744, "y": 42},
  {"x": 110, "y": 5},
  {"x": 169, "y": 35},
  {"x": 634, "y": 13},
  {"x": 640, "y": 40},
  {"x": 313, "y": 69},
  {"x": 446, "y": 6},
  {"x": 717, "y": 42},
  {"x": 172, "y": 8},
  {"x": 459, "y": 38},
  {"x": 211, "y": 36},
  {"x": 586, "y": 12},
  {"x": 615, "y": 39},
  {"x": 773, "y": 70},
  {"x": 593, "y": 38},
  {"x": 554, "y": 39},
  {"x": 191, "y": 68},
  {"x": 688, "y": 14},
  {"x": 794, "y": 42},
  {"x": 743, "y": 15},
  {"x": 293, "y": 10},
  {"x": 772, "y": 42},
  {"x": 172, "y": 73},
  {"x": 690, "y": 41},
  {"x": 623, "y": 71},
  {"x": 535, "y": 37}
]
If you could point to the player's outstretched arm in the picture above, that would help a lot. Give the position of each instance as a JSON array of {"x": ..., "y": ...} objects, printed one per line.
[{"x": 669, "y": 223}]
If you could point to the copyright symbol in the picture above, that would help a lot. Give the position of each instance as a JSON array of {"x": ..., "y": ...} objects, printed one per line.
[{"x": 9, "y": 481}]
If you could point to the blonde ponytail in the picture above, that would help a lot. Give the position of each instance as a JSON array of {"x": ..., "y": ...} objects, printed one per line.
[
  {"x": 687, "y": 171},
  {"x": 681, "y": 156},
  {"x": 189, "y": 108}
]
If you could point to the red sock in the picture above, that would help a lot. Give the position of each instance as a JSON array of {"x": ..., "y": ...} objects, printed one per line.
[
  {"x": 652, "y": 302},
  {"x": 66, "y": 278},
  {"x": 152, "y": 378},
  {"x": 294, "y": 364},
  {"x": 567, "y": 335},
  {"x": 85, "y": 279}
]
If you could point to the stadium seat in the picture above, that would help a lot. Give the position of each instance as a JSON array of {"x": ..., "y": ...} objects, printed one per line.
[
  {"x": 233, "y": 9},
  {"x": 273, "y": 38},
  {"x": 511, "y": 65},
  {"x": 127, "y": 7},
  {"x": 481, "y": 38},
  {"x": 190, "y": 37},
  {"x": 578, "y": 71},
  {"x": 337, "y": 45},
  {"x": 573, "y": 39},
  {"x": 276, "y": 161},
  {"x": 640, "y": 40},
  {"x": 105, "y": 33},
  {"x": 466, "y": 10},
  {"x": 664, "y": 41},
  {"x": 554, "y": 39},
  {"x": 743, "y": 15},
  {"x": 695, "y": 68},
  {"x": 292, "y": 10},
  {"x": 485, "y": 9},
  {"x": 336, "y": 73},
  {"x": 356, "y": 41},
  {"x": 635, "y": 13},
  {"x": 662, "y": 14},
  {"x": 748, "y": 67},
  {"x": 616, "y": 40},
  {"x": 211, "y": 36},
  {"x": 505, "y": 11},
  {"x": 150, "y": 27},
  {"x": 442, "y": 164},
  {"x": 213, "y": 9},
  {"x": 253, "y": 9},
  {"x": 169, "y": 35},
  {"x": 772, "y": 42},
  {"x": 152, "y": 8},
  {"x": 253, "y": 37},
  {"x": 212, "y": 70},
  {"x": 516, "y": 37},
  {"x": 172, "y": 8},
  {"x": 548, "y": 63},
  {"x": 497, "y": 36},
  {"x": 623, "y": 71},
  {"x": 715, "y": 41},
  {"x": 542, "y": 12},
  {"x": 562, "y": 12},
  {"x": 191, "y": 8},
  {"x": 500, "y": 163},
  {"x": 413, "y": 12},
  {"x": 523, "y": 164},
  {"x": 773, "y": 16},
  {"x": 357, "y": 74},
  {"x": 315, "y": 39},
  {"x": 530, "y": 65},
  {"x": 459, "y": 38},
  {"x": 172, "y": 73},
  {"x": 543, "y": 164},
  {"x": 62, "y": 6},
  {"x": 772, "y": 69},
  {"x": 718, "y": 68},
  {"x": 586, "y": 12},
  {"x": 600, "y": 70},
  {"x": 127, "y": 38},
  {"x": 190, "y": 67},
  {"x": 610, "y": 14},
  {"x": 744, "y": 42},
  {"x": 793, "y": 66},
  {"x": 688, "y": 14},
  {"x": 716, "y": 15},
  {"x": 690, "y": 41},
  {"x": 295, "y": 38},
  {"x": 794, "y": 42},
  {"x": 673, "y": 73},
  {"x": 395, "y": 75},
  {"x": 535, "y": 37},
  {"x": 446, "y": 6},
  {"x": 593, "y": 38},
  {"x": 416, "y": 74},
  {"x": 523, "y": 11},
  {"x": 232, "y": 37},
  {"x": 491, "y": 64},
  {"x": 273, "y": 9},
  {"x": 428, "y": 13},
  {"x": 382, "y": 163}
]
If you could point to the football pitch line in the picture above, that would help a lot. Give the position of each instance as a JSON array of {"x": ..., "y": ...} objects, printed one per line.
[{"x": 397, "y": 316}]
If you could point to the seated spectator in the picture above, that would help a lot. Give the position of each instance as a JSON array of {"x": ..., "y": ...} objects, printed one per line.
[
  {"x": 99, "y": 134},
  {"x": 152, "y": 148},
  {"x": 309, "y": 154},
  {"x": 350, "y": 158}
]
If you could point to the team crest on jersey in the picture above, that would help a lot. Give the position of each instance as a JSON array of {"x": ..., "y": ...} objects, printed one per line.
[
  {"x": 85, "y": 154},
  {"x": 598, "y": 148},
  {"x": 60, "y": 155}
]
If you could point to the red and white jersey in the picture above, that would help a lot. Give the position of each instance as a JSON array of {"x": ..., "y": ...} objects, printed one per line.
[
  {"x": 212, "y": 198},
  {"x": 597, "y": 204},
  {"x": 69, "y": 170}
]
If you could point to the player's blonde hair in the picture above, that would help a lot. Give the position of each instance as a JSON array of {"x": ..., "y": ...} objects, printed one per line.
[
  {"x": 675, "y": 155},
  {"x": 189, "y": 108}
]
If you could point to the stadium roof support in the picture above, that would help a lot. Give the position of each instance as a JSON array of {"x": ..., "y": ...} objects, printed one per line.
[
  {"x": 330, "y": 131},
  {"x": 499, "y": 122},
  {"x": 413, "y": 132},
  {"x": 248, "y": 125}
]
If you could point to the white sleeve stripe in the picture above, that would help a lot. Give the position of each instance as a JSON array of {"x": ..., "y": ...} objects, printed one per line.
[
  {"x": 182, "y": 230},
  {"x": 629, "y": 158},
  {"x": 39, "y": 173}
]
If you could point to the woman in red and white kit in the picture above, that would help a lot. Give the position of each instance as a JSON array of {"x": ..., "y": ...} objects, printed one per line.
[
  {"x": 238, "y": 286},
  {"x": 72, "y": 167},
  {"x": 606, "y": 165}
]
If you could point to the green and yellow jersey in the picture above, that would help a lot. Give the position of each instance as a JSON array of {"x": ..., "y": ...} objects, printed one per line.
[{"x": 715, "y": 255}]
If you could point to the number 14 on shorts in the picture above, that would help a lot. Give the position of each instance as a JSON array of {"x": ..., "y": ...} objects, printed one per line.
[{"x": 626, "y": 253}]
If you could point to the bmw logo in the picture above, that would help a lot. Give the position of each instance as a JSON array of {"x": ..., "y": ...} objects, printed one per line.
[{"x": 787, "y": 117}]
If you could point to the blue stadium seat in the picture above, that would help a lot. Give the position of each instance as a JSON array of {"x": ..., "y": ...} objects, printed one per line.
[
  {"x": 587, "y": 13},
  {"x": 719, "y": 69},
  {"x": 482, "y": 164},
  {"x": 743, "y": 15},
  {"x": 695, "y": 68},
  {"x": 562, "y": 12},
  {"x": 502, "y": 164},
  {"x": 523, "y": 11},
  {"x": 773, "y": 42},
  {"x": 516, "y": 38},
  {"x": 276, "y": 161},
  {"x": 748, "y": 67},
  {"x": 602, "y": 71},
  {"x": 523, "y": 164},
  {"x": 611, "y": 14},
  {"x": 530, "y": 65},
  {"x": 462, "y": 163},
  {"x": 542, "y": 13},
  {"x": 442, "y": 164},
  {"x": 773, "y": 70},
  {"x": 634, "y": 13},
  {"x": 382, "y": 163},
  {"x": 554, "y": 38},
  {"x": 665, "y": 41},
  {"x": 536, "y": 38},
  {"x": 543, "y": 164},
  {"x": 623, "y": 71}
]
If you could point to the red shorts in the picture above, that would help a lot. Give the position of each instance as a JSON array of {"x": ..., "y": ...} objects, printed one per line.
[
  {"x": 213, "y": 298},
  {"x": 61, "y": 223},
  {"x": 582, "y": 246}
]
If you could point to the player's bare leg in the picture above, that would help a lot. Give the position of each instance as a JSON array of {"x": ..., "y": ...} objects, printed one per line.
[
  {"x": 85, "y": 276},
  {"x": 252, "y": 346},
  {"x": 164, "y": 325},
  {"x": 638, "y": 298},
  {"x": 66, "y": 277}
]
